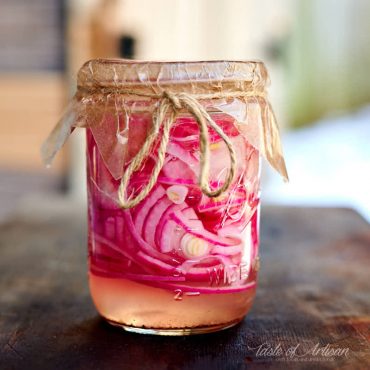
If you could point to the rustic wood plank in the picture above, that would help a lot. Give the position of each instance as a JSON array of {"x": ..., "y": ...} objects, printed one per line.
[{"x": 313, "y": 289}]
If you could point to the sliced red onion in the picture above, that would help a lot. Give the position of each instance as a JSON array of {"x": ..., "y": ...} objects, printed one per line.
[
  {"x": 176, "y": 181},
  {"x": 254, "y": 227},
  {"x": 145, "y": 207},
  {"x": 227, "y": 251},
  {"x": 122, "y": 251},
  {"x": 170, "y": 238},
  {"x": 162, "y": 222},
  {"x": 163, "y": 267},
  {"x": 228, "y": 200},
  {"x": 191, "y": 139},
  {"x": 137, "y": 277},
  {"x": 180, "y": 168},
  {"x": 142, "y": 244},
  {"x": 172, "y": 219},
  {"x": 203, "y": 234},
  {"x": 190, "y": 214},
  {"x": 220, "y": 158},
  {"x": 229, "y": 231},
  {"x": 200, "y": 270},
  {"x": 184, "y": 155},
  {"x": 153, "y": 218},
  {"x": 129, "y": 251}
]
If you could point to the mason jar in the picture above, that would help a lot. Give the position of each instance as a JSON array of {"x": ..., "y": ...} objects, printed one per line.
[{"x": 173, "y": 176}]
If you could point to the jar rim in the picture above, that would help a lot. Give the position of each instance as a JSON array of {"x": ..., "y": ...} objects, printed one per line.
[{"x": 193, "y": 76}]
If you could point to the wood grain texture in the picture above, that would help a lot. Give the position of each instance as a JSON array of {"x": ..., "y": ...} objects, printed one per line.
[{"x": 313, "y": 289}]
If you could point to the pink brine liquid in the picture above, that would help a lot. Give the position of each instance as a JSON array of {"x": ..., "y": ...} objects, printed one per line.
[{"x": 178, "y": 262}]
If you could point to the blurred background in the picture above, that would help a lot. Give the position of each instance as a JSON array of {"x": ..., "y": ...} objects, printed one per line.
[{"x": 317, "y": 52}]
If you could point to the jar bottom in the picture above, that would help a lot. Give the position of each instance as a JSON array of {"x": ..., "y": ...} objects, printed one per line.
[
  {"x": 141, "y": 308},
  {"x": 174, "y": 331}
]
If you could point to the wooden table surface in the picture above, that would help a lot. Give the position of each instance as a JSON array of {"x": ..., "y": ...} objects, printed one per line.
[{"x": 313, "y": 296}]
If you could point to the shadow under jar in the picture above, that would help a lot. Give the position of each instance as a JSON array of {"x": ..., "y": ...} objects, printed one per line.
[{"x": 184, "y": 259}]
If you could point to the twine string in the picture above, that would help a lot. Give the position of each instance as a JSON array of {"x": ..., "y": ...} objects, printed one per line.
[{"x": 163, "y": 119}]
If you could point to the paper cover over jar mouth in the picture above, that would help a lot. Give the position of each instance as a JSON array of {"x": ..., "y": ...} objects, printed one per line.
[
  {"x": 119, "y": 87},
  {"x": 154, "y": 77}
]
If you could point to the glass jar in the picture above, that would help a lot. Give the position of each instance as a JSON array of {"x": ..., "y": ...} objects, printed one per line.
[{"x": 173, "y": 176}]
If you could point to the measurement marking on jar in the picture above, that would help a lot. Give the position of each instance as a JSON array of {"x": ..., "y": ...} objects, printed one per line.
[{"x": 178, "y": 295}]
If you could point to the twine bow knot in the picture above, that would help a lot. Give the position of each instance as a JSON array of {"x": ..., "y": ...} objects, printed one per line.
[
  {"x": 163, "y": 118},
  {"x": 174, "y": 99}
]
